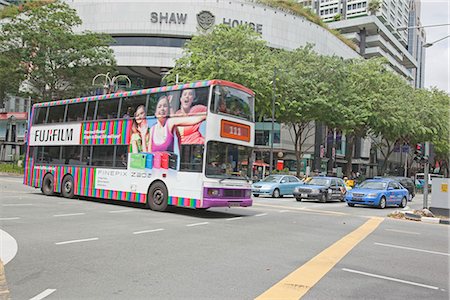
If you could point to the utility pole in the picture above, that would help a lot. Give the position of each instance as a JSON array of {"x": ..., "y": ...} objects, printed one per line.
[{"x": 425, "y": 174}]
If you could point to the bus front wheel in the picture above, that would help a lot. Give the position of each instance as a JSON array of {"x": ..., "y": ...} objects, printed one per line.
[
  {"x": 157, "y": 196},
  {"x": 47, "y": 185},
  {"x": 67, "y": 186}
]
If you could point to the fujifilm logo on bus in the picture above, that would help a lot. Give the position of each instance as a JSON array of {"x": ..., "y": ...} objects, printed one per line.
[{"x": 55, "y": 135}]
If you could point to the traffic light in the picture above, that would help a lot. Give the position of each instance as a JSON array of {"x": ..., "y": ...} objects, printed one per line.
[{"x": 418, "y": 153}]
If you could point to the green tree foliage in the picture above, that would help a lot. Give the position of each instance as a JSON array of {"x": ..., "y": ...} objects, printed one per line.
[
  {"x": 391, "y": 124},
  {"x": 306, "y": 82},
  {"x": 236, "y": 54},
  {"x": 42, "y": 46}
]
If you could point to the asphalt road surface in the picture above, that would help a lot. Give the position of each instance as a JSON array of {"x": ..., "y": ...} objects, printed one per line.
[{"x": 276, "y": 249}]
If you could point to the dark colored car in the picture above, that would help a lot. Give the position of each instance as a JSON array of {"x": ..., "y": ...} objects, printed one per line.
[
  {"x": 321, "y": 188},
  {"x": 407, "y": 183}
]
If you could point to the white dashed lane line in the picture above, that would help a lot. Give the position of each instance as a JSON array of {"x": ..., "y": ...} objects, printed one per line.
[
  {"x": 9, "y": 219},
  {"x": 261, "y": 215},
  {"x": 148, "y": 231},
  {"x": 412, "y": 249},
  {"x": 233, "y": 219},
  {"x": 18, "y": 204},
  {"x": 69, "y": 215},
  {"x": 391, "y": 279},
  {"x": 44, "y": 294},
  {"x": 120, "y": 211},
  {"x": 197, "y": 224},
  {"x": 76, "y": 241}
]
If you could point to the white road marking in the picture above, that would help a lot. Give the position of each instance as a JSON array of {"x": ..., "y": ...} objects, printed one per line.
[
  {"x": 76, "y": 241},
  {"x": 69, "y": 215},
  {"x": 8, "y": 247},
  {"x": 148, "y": 231},
  {"x": 197, "y": 224},
  {"x": 69, "y": 202},
  {"x": 120, "y": 211},
  {"x": 413, "y": 249},
  {"x": 392, "y": 279},
  {"x": 401, "y": 231},
  {"x": 283, "y": 211},
  {"x": 235, "y": 218},
  {"x": 43, "y": 294},
  {"x": 8, "y": 219},
  {"x": 260, "y": 215},
  {"x": 18, "y": 204}
]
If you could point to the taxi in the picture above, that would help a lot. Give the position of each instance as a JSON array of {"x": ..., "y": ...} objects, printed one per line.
[{"x": 381, "y": 193}]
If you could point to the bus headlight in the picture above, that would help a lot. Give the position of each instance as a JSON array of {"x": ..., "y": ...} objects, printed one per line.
[{"x": 213, "y": 192}]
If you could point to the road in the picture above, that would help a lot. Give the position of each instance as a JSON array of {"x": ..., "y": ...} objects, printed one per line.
[{"x": 86, "y": 249}]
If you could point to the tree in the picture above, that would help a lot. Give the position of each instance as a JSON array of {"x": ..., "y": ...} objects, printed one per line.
[
  {"x": 393, "y": 123},
  {"x": 305, "y": 82},
  {"x": 236, "y": 54},
  {"x": 352, "y": 106},
  {"x": 42, "y": 46}
]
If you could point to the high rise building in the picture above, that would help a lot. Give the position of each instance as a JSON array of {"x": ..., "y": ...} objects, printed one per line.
[{"x": 376, "y": 27}]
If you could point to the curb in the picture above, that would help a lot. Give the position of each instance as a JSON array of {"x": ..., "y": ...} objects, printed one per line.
[{"x": 431, "y": 220}]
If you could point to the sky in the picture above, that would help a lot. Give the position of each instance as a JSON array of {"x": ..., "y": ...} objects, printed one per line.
[{"x": 437, "y": 60}]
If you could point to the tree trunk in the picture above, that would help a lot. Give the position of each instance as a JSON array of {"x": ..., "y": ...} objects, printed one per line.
[{"x": 349, "y": 154}]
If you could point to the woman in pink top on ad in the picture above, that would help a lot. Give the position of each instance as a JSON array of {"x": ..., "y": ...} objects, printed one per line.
[
  {"x": 190, "y": 134},
  {"x": 162, "y": 133}
]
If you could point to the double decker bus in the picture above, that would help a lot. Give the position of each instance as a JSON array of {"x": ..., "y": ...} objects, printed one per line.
[{"x": 186, "y": 145}]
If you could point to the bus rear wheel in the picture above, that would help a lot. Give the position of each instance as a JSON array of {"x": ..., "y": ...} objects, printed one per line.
[
  {"x": 67, "y": 186},
  {"x": 47, "y": 185},
  {"x": 157, "y": 197}
]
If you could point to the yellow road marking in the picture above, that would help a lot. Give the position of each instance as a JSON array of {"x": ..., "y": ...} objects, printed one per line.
[
  {"x": 325, "y": 212},
  {"x": 299, "y": 282}
]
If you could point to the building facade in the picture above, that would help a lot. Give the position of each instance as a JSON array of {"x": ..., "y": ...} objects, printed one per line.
[{"x": 149, "y": 36}]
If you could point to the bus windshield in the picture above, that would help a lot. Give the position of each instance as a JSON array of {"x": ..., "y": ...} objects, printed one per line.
[
  {"x": 231, "y": 101},
  {"x": 227, "y": 160}
]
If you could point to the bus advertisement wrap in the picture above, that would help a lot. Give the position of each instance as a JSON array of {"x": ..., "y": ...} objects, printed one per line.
[{"x": 187, "y": 145}]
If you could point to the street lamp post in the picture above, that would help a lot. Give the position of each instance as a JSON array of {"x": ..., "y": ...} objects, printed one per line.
[
  {"x": 427, "y": 45},
  {"x": 427, "y": 144},
  {"x": 110, "y": 82}
]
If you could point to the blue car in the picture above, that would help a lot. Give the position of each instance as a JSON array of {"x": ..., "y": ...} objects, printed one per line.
[
  {"x": 276, "y": 186},
  {"x": 378, "y": 192}
]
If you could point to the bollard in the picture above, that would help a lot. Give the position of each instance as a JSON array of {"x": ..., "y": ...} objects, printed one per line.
[{"x": 4, "y": 292}]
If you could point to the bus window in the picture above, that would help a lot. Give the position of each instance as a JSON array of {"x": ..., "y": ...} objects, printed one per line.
[
  {"x": 86, "y": 155},
  {"x": 103, "y": 156},
  {"x": 121, "y": 157},
  {"x": 49, "y": 154},
  {"x": 71, "y": 155},
  {"x": 75, "y": 112},
  {"x": 40, "y": 115},
  {"x": 227, "y": 160},
  {"x": 230, "y": 101},
  {"x": 90, "y": 111},
  {"x": 129, "y": 105},
  {"x": 107, "y": 109},
  {"x": 191, "y": 158},
  {"x": 56, "y": 114}
]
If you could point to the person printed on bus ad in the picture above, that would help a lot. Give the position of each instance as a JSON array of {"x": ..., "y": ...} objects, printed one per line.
[
  {"x": 190, "y": 134},
  {"x": 139, "y": 131},
  {"x": 162, "y": 134}
]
